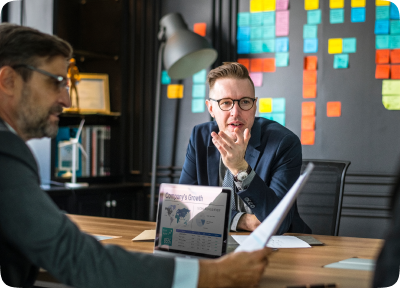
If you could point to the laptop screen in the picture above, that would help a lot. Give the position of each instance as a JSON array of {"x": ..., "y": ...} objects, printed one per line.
[{"x": 193, "y": 220}]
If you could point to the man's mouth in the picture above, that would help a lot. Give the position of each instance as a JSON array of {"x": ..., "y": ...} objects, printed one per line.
[{"x": 234, "y": 125}]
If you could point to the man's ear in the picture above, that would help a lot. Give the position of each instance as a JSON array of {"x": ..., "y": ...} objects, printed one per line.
[
  {"x": 8, "y": 78},
  {"x": 210, "y": 108}
]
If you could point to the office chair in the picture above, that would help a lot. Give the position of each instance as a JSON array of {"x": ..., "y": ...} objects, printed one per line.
[{"x": 320, "y": 202}]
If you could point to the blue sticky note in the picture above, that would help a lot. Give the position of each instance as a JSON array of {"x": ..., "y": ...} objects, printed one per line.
[
  {"x": 382, "y": 27},
  {"x": 278, "y": 105},
  {"x": 243, "y": 47},
  {"x": 199, "y": 91},
  {"x": 256, "y": 46},
  {"x": 349, "y": 45},
  {"x": 165, "y": 78},
  {"x": 243, "y": 19},
  {"x": 268, "y": 18},
  {"x": 198, "y": 105},
  {"x": 382, "y": 12},
  {"x": 341, "y": 61},
  {"x": 394, "y": 27},
  {"x": 382, "y": 41},
  {"x": 310, "y": 45},
  {"x": 243, "y": 33},
  {"x": 358, "y": 14},
  {"x": 314, "y": 16},
  {"x": 310, "y": 31},
  {"x": 279, "y": 117},
  {"x": 394, "y": 12},
  {"x": 394, "y": 42},
  {"x": 268, "y": 116},
  {"x": 336, "y": 16},
  {"x": 255, "y": 33},
  {"x": 282, "y": 44},
  {"x": 268, "y": 32},
  {"x": 268, "y": 46},
  {"x": 282, "y": 59},
  {"x": 255, "y": 19},
  {"x": 200, "y": 77}
]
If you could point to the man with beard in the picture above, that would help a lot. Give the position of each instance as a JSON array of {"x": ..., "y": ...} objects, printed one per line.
[{"x": 33, "y": 232}]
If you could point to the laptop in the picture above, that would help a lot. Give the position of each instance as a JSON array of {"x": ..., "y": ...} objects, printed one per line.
[{"x": 192, "y": 221}]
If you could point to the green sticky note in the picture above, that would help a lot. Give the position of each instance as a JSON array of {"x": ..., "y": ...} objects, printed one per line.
[
  {"x": 268, "y": 32},
  {"x": 394, "y": 27},
  {"x": 278, "y": 105},
  {"x": 391, "y": 102},
  {"x": 282, "y": 59},
  {"x": 255, "y": 19},
  {"x": 243, "y": 19},
  {"x": 198, "y": 106},
  {"x": 268, "y": 116},
  {"x": 256, "y": 33},
  {"x": 391, "y": 87},
  {"x": 394, "y": 41},
  {"x": 336, "y": 16},
  {"x": 341, "y": 61},
  {"x": 382, "y": 41},
  {"x": 199, "y": 91},
  {"x": 256, "y": 46},
  {"x": 349, "y": 45},
  {"x": 268, "y": 46},
  {"x": 310, "y": 31},
  {"x": 200, "y": 77},
  {"x": 165, "y": 78},
  {"x": 268, "y": 18},
  {"x": 382, "y": 13},
  {"x": 314, "y": 16},
  {"x": 279, "y": 117}
]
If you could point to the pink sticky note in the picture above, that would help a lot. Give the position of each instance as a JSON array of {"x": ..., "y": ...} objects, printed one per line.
[
  {"x": 282, "y": 23},
  {"x": 282, "y": 4},
  {"x": 257, "y": 78}
]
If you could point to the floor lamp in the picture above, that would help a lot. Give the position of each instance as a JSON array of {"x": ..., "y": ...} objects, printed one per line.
[{"x": 183, "y": 53}]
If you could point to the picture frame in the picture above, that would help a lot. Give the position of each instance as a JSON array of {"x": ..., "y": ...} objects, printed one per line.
[{"x": 94, "y": 94}]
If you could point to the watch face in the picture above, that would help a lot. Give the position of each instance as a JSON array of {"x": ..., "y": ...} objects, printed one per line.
[{"x": 242, "y": 175}]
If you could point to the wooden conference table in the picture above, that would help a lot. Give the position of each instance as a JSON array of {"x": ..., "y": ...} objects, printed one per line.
[{"x": 286, "y": 266}]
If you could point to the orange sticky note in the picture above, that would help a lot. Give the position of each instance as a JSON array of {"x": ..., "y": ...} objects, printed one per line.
[
  {"x": 175, "y": 91},
  {"x": 309, "y": 77},
  {"x": 382, "y": 56},
  {"x": 308, "y": 108},
  {"x": 334, "y": 109},
  {"x": 310, "y": 63},
  {"x": 245, "y": 62},
  {"x": 308, "y": 123},
  {"x": 307, "y": 137},
  {"x": 395, "y": 72},
  {"x": 309, "y": 90},
  {"x": 382, "y": 71},
  {"x": 200, "y": 28},
  {"x": 269, "y": 65},
  {"x": 395, "y": 56},
  {"x": 256, "y": 65}
]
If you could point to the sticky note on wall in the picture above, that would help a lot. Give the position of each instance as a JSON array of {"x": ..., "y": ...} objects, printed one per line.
[
  {"x": 382, "y": 27},
  {"x": 282, "y": 59},
  {"x": 341, "y": 61},
  {"x": 382, "y": 13},
  {"x": 256, "y": 65},
  {"x": 309, "y": 77},
  {"x": 334, "y": 4},
  {"x": 311, "y": 4},
  {"x": 391, "y": 102},
  {"x": 257, "y": 79},
  {"x": 395, "y": 56},
  {"x": 269, "y": 65},
  {"x": 310, "y": 63},
  {"x": 336, "y": 16},
  {"x": 243, "y": 19},
  {"x": 256, "y": 6},
  {"x": 282, "y": 4},
  {"x": 165, "y": 79},
  {"x": 382, "y": 3},
  {"x": 391, "y": 87},
  {"x": 358, "y": 14},
  {"x": 349, "y": 45},
  {"x": 307, "y": 137},
  {"x": 279, "y": 105},
  {"x": 310, "y": 31},
  {"x": 309, "y": 90},
  {"x": 382, "y": 41},
  {"x": 198, "y": 105},
  {"x": 382, "y": 56},
  {"x": 269, "y": 5},
  {"x": 314, "y": 17},
  {"x": 334, "y": 109},
  {"x": 282, "y": 23},
  {"x": 310, "y": 45},
  {"x": 308, "y": 123},
  {"x": 335, "y": 45},
  {"x": 200, "y": 28},
  {"x": 308, "y": 108},
  {"x": 245, "y": 62},
  {"x": 395, "y": 71},
  {"x": 265, "y": 105},
  {"x": 200, "y": 77},
  {"x": 175, "y": 91},
  {"x": 382, "y": 71},
  {"x": 199, "y": 91},
  {"x": 358, "y": 3}
]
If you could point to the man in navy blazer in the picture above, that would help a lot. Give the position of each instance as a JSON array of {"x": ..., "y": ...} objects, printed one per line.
[{"x": 261, "y": 165}]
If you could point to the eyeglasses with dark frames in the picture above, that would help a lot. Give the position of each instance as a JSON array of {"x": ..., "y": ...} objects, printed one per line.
[
  {"x": 226, "y": 104},
  {"x": 60, "y": 81}
]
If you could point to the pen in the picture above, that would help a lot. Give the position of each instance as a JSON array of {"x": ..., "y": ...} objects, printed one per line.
[{"x": 330, "y": 285}]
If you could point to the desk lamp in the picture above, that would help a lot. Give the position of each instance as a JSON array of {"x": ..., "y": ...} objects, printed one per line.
[{"x": 184, "y": 53}]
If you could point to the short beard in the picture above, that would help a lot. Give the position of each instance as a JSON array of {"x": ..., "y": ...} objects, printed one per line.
[{"x": 33, "y": 121}]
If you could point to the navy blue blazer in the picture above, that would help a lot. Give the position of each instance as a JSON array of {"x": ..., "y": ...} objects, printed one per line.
[{"x": 274, "y": 153}]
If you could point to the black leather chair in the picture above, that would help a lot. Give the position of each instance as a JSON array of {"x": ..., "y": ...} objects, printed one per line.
[{"x": 320, "y": 202}]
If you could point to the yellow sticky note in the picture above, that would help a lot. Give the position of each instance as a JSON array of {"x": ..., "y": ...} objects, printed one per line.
[
  {"x": 256, "y": 6},
  {"x": 335, "y": 4},
  {"x": 382, "y": 3},
  {"x": 311, "y": 4},
  {"x": 265, "y": 105},
  {"x": 358, "y": 3},
  {"x": 269, "y": 5},
  {"x": 391, "y": 102},
  {"x": 175, "y": 91},
  {"x": 335, "y": 45}
]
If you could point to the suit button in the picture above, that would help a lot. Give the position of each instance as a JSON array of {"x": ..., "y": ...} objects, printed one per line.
[
  {"x": 252, "y": 206},
  {"x": 247, "y": 199}
]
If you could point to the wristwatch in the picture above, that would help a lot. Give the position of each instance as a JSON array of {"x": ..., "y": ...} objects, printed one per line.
[{"x": 242, "y": 175}]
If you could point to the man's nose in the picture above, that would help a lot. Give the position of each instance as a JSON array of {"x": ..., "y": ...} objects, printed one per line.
[
  {"x": 65, "y": 99},
  {"x": 235, "y": 109}
]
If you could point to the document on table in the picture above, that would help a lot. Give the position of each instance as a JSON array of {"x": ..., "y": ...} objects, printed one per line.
[
  {"x": 146, "y": 235},
  {"x": 354, "y": 263},
  {"x": 278, "y": 241}
]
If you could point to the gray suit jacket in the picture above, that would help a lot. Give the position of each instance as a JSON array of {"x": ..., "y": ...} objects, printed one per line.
[{"x": 34, "y": 233}]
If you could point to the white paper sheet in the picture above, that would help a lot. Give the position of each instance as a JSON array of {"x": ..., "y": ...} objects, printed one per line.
[
  {"x": 278, "y": 241},
  {"x": 146, "y": 235}
]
